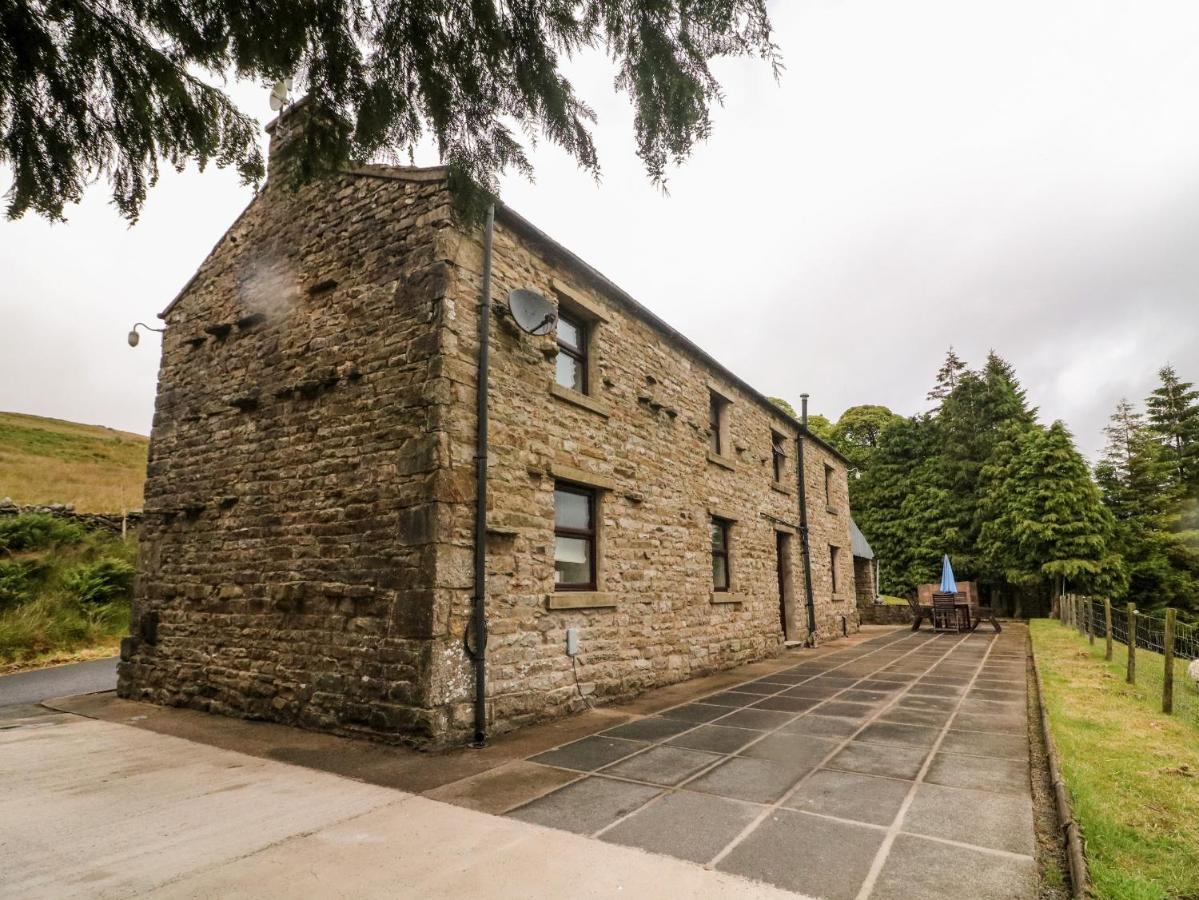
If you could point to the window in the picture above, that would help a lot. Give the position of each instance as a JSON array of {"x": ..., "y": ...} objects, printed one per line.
[
  {"x": 833, "y": 554},
  {"x": 829, "y": 472},
  {"x": 572, "y": 353},
  {"x": 721, "y": 574},
  {"x": 574, "y": 538},
  {"x": 778, "y": 455},
  {"x": 716, "y": 407}
]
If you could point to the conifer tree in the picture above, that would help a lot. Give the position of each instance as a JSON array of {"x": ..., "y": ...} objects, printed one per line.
[
  {"x": 1044, "y": 518},
  {"x": 948, "y": 376},
  {"x": 900, "y": 506},
  {"x": 116, "y": 87},
  {"x": 1174, "y": 416}
]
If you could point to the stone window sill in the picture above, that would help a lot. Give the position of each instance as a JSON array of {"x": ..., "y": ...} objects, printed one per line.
[
  {"x": 726, "y": 597},
  {"x": 723, "y": 461},
  {"x": 831, "y": 510},
  {"x": 599, "y": 407},
  {"x": 581, "y": 600},
  {"x": 780, "y": 487}
]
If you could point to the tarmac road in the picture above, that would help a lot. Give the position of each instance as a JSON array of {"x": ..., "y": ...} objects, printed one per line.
[{"x": 58, "y": 681}]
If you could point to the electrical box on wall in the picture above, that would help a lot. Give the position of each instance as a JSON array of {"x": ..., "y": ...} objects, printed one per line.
[{"x": 572, "y": 642}]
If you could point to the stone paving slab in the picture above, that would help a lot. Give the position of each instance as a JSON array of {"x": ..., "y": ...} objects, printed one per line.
[
  {"x": 690, "y": 826},
  {"x": 998, "y": 822},
  {"x": 586, "y": 806},
  {"x": 808, "y": 854},
  {"x": 919, "y": 869},
  {"x": 865, "y": 773}
]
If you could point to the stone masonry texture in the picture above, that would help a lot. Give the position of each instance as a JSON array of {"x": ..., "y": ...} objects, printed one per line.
[{"x": 307, "y": 540}]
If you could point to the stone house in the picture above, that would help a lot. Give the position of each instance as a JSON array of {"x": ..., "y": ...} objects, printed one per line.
[{"x": 309, "y": 544}]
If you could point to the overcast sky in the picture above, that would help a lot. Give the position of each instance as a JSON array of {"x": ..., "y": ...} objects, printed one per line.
[{"x": 1022, "y": 176}]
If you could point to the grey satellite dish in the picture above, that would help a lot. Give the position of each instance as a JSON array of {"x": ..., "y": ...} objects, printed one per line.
[
  {"x": 532, "y": 312},
  {"x": 280, "y": 94}
]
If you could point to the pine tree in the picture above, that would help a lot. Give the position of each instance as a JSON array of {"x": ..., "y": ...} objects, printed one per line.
[
  {"x": 900, "y": 507},
  {"x": 948, "y": 376},
  {"x": 114, "y": 88},
  {"x": 1174, "y": 416},
  {"x": 1043, "y": 515},
  {"x": 1137, "y": 479}
]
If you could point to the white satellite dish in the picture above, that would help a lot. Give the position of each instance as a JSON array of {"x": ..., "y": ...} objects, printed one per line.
[
  {"x": 280, "y": 94},
  {"x": 532, "y": 312}
]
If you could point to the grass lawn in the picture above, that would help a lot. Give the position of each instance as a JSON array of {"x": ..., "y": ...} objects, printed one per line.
[
  {"x": 1133, "y": 772},
  {"x": 892, "y": 601}
]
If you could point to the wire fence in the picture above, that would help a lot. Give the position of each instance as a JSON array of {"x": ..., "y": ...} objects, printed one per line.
[{"x": 1171, "y": 643}]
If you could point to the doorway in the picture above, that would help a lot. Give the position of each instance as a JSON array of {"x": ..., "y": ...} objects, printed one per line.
[{"x": 782, "y": 552}]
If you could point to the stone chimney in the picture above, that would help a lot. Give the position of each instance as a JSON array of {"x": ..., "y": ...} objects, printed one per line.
[{"x": 284, "y": 129}]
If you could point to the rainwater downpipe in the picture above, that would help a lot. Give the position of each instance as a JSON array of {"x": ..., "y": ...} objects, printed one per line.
[
  {"x": 803, "y": 523},
  {"x": 479, "y": 612}
]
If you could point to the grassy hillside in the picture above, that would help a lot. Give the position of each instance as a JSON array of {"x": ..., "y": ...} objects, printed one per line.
[{"x": 51, "y": 461}]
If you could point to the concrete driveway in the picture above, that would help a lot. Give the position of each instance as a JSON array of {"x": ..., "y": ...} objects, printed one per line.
[{"x": 94, "y": 809}]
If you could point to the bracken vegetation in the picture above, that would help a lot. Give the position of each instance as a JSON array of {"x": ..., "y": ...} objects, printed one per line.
[{"x": 62, "y": 588}]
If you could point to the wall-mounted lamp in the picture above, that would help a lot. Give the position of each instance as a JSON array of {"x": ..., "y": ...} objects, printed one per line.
[{"x": 133, "y": 335}]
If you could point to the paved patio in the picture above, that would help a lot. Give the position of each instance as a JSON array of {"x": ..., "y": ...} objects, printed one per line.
[
  {"x": 889, "y": 764},
  {"x": 896, "y": 768}
]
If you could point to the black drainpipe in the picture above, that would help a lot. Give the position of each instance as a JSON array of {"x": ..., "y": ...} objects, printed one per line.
[
  {"x": 803, "y": 523},
  {"x": 480, "y": 592}
]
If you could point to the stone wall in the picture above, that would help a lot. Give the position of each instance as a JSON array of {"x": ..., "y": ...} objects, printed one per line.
[
  {"x": 641, "y": 437},
  {"x": 113, "y": 522},
  {"x": 306, "y": 553},
  {"x": 885, "y": 614},
  {"x": 289, "y": 546}
]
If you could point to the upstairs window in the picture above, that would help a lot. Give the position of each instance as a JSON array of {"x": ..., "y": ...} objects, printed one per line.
[
  {"x": 829, "y": 472},
  {"x": 721, "y": 573},
  {"x": 571, "y": 370},
  {"x": 717, "y": 407},
  {"x": 778, "y": 455},
  {"x": 574, "y": 538}
]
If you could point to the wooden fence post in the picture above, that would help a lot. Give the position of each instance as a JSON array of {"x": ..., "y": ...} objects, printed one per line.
[
  {"x": 1132, "y": 643},
  {"x": 1107, "y": 627},
  {"x": 1091, "y": 621},
  {"x": 1168, "y": 653}
]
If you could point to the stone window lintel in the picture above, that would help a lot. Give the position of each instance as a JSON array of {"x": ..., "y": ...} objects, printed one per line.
[
  {"x": 574, "y": 300},
  {"x": 582, "y": 476}
]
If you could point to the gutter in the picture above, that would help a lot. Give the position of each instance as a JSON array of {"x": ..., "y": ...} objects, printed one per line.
[{"x": 803, "y": 522}]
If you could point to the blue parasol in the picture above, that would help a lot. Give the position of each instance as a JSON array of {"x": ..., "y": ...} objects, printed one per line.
[{"x": 948, "y": 584}]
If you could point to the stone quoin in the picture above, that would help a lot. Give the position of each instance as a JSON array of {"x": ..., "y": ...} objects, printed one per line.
[{"x": 306, "y": 552}]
